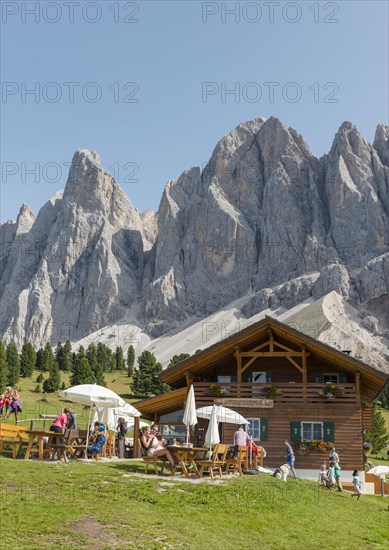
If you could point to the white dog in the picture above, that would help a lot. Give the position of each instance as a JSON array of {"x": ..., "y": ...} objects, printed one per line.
[{"x": 281, "y": 472}]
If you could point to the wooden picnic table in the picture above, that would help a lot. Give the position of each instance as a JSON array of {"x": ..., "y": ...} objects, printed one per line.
[
  {"x": 187, "y": 457},
  {"x": 39, "y": 434}
]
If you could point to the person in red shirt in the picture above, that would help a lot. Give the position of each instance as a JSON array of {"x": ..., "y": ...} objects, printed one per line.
[
  {"x": 59, "y": 424},
  {"x": 2, "y": 404}
]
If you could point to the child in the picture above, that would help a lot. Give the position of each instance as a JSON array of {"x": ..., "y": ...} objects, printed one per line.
[
  {"x": 323, "y": 479},
  {"x": 337, "y": 477},
  {"x": 2, "y": 403},
  {"x": 331, "y": 474},
  {"x": 98, "y": 445},
  {"x": 357, "y": 485}
]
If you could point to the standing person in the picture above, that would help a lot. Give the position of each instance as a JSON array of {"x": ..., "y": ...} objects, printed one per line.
[
  {"x": 337, "y": 477},
  {"x": 290, "y": 457},
  {"x": 14, "y": 407},
  {"x": 331, "y": 474},
  {"x": 122, "y": 430},
  {"x": 59, "y": 424},
  {"x": 241, "y": 438},
  {"x": 334, "y": 455},
  {"x": 2, "y": 404},
  {"x": 8, "y": 402},
  {"x": 357, "y": 485},
  {"x": 323, "y": 476},
  {"x": 71, "y": 425}
]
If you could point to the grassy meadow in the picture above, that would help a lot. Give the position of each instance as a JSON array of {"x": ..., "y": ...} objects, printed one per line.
[{"x": 112, "y": 505}]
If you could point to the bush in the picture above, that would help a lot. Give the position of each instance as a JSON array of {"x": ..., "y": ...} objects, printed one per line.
[{"x": 38, "y": 388}]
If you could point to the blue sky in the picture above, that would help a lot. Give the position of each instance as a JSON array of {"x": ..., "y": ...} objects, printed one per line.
[{"x": 161, "y": 54}]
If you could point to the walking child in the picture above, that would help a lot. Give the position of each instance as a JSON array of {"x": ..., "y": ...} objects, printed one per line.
[
  {"x": 331, "y": 474},
  {"x": 357, "y": 485},
  {"x": 323, "y": 476}
]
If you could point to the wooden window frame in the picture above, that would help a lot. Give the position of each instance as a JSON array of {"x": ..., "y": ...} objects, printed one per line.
[
  {"x": 259, "y": 427},
  {"x": 311, "y": 422},
  {"x": 337, "y": 374}
]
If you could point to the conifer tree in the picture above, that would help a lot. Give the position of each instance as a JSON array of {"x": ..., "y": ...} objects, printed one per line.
[
  {"x": 145, "y": 380},
  {"x": 130, "y": 360},
  {"x": 378, "y": 436},
  {"x": 53, "y": 382},
  {"x": 119, "y": 359},
  {"x": 47, "y": 358},
  {"x": 13, "y": 364},
  {"x": 177, "y": 358},
  {"x": 82, "y": 372},
  {"x": 27, "y": 360},
  {"x": 3, "y": 367},
  {"x": 39, "y": 359}
]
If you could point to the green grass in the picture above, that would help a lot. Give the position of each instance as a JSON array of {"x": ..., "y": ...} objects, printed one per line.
[{"x": 54, "y": 505}]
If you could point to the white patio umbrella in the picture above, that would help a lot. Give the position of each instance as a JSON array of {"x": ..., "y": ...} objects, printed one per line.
[
  {"x": 223, "y": 414},
  {"x": 190, "y": 417},
  {"x": 89, "y": 395},
  {"x": 380, "y": 471},
  {"x": 212, "y": 436}
]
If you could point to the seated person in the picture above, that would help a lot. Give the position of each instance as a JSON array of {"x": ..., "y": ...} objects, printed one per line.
[
  {"x": 98, "y": 444},
  {"x": 95, "y": 432},
  {"x": 153, "y": 447}
]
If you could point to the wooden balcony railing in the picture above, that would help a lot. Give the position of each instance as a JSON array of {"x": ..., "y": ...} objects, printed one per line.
[{"x": 290, "y": 392}]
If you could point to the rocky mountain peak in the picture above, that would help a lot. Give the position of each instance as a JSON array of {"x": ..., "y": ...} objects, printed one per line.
[
  {"x": 381, "y": 143},
  {"x": 25, "y": 219},
  {"x": 265, "y": 221}
]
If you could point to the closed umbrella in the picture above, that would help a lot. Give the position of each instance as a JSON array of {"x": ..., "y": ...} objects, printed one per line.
[
  {"x": 212, "y": 436},
  {"x": 190, "y": 417},
  {"x": 89, "y": 395},
  {"x": 223, "y": 414},
  {"x": 110, "y": 415}
]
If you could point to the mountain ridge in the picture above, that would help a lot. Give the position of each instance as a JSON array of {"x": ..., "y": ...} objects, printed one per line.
[{"x": 261, "y": 216}]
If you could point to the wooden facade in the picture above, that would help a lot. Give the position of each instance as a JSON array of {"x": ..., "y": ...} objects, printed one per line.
[{"x": 271, "y": 354}]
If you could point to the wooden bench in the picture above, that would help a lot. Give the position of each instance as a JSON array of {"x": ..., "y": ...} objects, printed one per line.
[
  {"x": 151, "y": 459},
  {"x": 73, "y": 443},
  {"x": 12, "y": 438}
]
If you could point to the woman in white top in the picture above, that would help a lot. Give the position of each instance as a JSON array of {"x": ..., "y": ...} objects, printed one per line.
[{"x": 153, "y": 447}]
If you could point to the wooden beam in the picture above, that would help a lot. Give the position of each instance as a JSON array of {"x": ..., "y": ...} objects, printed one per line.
[
  {"x": 188, "y": 378},
  {"x": 271, "y": 339},
  {"x": 282, "y": 346},
  {"x": 238, "y": 368},
  {"x": 295, "y": 364},
  {"x": 358, "y": 384},
  {"x": 272, "y": 354},
  {"x": 249, "y": 362},
  {"x": 136, "y": 436},
  {"x": 304, "y": 365},
  {"x": 267, "y": 343}
]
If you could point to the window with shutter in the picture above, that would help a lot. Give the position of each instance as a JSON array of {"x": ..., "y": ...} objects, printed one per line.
[
  {"x": 329, "y": 431},
  {"x": 264, "y": 429},
  {"x": 295, "y": 431}
]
